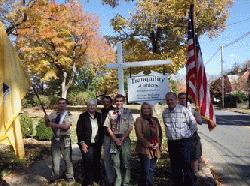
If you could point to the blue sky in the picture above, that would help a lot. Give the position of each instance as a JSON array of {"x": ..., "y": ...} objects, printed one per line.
[{"x": 236, "y": 53}]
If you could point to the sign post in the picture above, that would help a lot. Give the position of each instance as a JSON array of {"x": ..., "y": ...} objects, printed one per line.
[{"x": 120, "y": 66}]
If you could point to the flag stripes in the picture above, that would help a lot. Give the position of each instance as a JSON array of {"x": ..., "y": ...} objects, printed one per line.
[{"x": 197, "y": 84}]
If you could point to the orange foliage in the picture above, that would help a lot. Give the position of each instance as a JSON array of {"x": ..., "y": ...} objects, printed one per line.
[{"x": 56, "y": 36}]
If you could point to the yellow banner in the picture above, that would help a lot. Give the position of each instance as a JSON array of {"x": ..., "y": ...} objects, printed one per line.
[{"x": 14, "y": 86}]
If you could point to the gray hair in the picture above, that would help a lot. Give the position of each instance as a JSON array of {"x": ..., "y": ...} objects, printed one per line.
[
  {"x": 92, "y": 102},
  {"x": 172, "y": 94}
]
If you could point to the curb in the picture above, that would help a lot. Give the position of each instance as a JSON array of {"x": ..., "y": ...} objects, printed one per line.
[{"x": 205, "y": 175}]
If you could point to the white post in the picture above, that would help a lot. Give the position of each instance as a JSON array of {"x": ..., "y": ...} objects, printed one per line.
[
  {"x": 120, "y": 69},
  {"x": 222, "y": 78}
]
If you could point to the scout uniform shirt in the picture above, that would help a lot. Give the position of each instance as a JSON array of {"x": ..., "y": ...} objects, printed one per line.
[
  {"x": 67, "y": 119},
  {"x": 119, "y": 121}
]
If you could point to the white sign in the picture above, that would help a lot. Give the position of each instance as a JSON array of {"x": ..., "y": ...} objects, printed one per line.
[
  {"x": 150, "y": 88},
  {"x": 120, "y": 66}
]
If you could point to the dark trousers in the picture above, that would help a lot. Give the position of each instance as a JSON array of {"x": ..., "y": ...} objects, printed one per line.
[
  {"x": 91, "y": 164},
  {"x": 180, "y": 156},
  {"x": 147, "y": 170}
]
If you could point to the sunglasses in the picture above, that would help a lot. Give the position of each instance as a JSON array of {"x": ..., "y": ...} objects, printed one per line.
[{"x": 62, "y": 103}]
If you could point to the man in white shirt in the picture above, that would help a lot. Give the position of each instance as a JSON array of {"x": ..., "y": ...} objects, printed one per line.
[
  {"x": 89, "y": 130},
  {"x": 196, "y": 152}
]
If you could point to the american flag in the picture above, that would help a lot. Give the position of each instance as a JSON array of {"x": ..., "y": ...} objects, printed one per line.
[{"x": 197, "y": 85}]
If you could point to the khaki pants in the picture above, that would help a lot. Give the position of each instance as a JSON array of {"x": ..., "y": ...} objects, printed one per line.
[
  {"x": 60, "y": 148},
  {"x": 121, "y": 163}
]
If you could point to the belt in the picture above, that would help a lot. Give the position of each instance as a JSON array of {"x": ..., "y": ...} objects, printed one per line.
[{"x": 62, "y": 137}]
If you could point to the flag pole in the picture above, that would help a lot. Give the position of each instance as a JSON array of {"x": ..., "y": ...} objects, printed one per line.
[
  {"x": 39, "y": 100},
  {"x": 195, "y": 53}
]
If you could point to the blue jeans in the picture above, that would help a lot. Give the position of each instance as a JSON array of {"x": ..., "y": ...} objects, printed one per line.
[
  {"x": 58, "y": 148},
  {"x": 147, "y": 170},
  {"x": 180, "y": 157}
]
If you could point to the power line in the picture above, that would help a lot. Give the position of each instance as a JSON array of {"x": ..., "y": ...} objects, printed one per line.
[
  {"x": 237, "y": 22},
  {"x": 218, "y": 49},
  {"x": 231, "y": 43},
  {"x": 238, "y": 39}
]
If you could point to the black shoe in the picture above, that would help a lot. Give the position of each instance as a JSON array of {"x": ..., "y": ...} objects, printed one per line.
[
  {"x": 52, "y": 180},
  {"x": 70, "y": 180}
]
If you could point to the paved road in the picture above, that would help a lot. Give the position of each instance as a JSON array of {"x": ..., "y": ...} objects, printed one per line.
[{"x": 227, "y": 147}]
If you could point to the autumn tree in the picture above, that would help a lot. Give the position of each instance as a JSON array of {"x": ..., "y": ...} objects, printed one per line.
[
  {"x": 13, "y": 14},
  {"x": 216, "y": 87},
  {"x": 162, "y": 25},
  {"x": 114, "y": 3},
  {"x": 57, "y": 39}
]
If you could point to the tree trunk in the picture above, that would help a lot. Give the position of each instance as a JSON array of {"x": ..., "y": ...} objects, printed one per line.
[
  {"x": 155, "y": 38},
  {"x": 65, "y": 86}
]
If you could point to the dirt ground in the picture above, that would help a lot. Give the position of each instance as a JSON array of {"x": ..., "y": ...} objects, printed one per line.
[{"x": 35, "y": 169}]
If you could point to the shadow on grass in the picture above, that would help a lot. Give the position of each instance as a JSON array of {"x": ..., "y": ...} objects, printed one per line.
[{"x": 37, "y": 153}]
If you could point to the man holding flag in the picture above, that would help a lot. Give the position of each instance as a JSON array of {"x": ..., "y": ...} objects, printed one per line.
[{"x": 14, "y": 86}]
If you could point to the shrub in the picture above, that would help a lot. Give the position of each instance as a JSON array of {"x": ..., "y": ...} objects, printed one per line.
[
  {"x": 27, "y": 102},
  {"x": 32, "y": 101},
  {"x": 44, "y": 99},
  {"x": 79, "y": 98},
  {"x": 26, "y": 126},
  {"x": 230, "y": 101},
  {"x": 43, "y": 133},
  {"x": 53, "y": 99},
  {"x": 240, "y": 96},
  {"x": 71, "y": 97}
]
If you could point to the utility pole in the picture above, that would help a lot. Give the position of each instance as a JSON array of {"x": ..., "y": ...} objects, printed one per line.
[{"x": 222, "y": 78}]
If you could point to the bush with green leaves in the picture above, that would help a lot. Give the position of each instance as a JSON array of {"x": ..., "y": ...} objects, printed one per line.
[
  {"x": 79, "y": 98},
  {"x": 27, "y": 102},
  {"x": 43, "y": 133},
  {"x": 44, "y": 99},
  {"x": 26, "y": 126},
  {"x": 53, "y": 100},
  {"x": 32, "y": 101},
  {"x": 240, "y": 96}
]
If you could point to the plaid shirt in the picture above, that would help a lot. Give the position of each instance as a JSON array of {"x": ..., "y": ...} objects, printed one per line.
[{"x": 180, "y": 123}]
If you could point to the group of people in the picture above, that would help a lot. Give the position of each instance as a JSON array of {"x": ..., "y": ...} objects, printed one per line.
[{"x": 111, "y": 128}]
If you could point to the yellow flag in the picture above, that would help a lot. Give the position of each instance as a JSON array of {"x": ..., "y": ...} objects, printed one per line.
[{"x": 14, "y": 86}]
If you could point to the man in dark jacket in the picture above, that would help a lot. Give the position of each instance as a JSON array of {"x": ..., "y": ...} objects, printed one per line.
[
  {"x": 109, "y": 169},
  {"x": 89, "y": 132}
]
